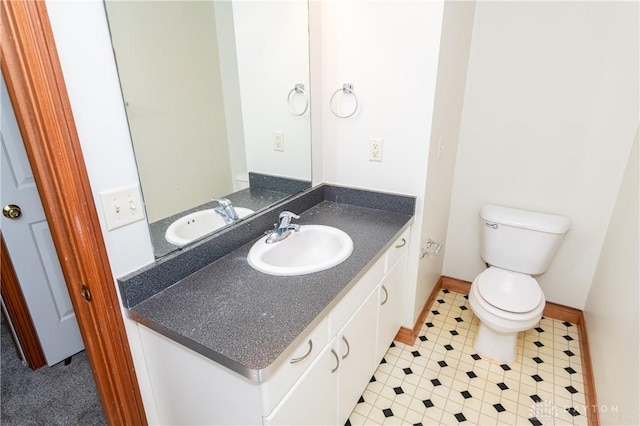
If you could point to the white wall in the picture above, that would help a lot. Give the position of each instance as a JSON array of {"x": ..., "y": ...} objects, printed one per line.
[
  {"x": 612, "y": 307},
  {"x": 269, "y": 67},
  {"x": 84, "y": 47},
  {"x": 457, "y": 28},
  {"x": 170, "y": 74},
  {"x": 389, "y": 51},
  {"x": 551, "y": 106}
]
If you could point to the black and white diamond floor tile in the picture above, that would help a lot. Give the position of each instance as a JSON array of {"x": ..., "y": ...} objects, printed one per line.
[{"x": 441, "y": 380}]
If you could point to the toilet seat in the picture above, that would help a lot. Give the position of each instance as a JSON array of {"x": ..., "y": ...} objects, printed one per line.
[
  {"x": 509, "y": 291},
  {"x": 494, "y": 297}
]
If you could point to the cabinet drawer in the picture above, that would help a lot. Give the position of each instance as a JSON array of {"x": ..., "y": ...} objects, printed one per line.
[
  {"x": 397, "y": 249},
  {"x": 286, "y": 375}
]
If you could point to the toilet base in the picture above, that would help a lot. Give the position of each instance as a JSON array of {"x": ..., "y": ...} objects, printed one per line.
[{"x": 498, "y": 346}]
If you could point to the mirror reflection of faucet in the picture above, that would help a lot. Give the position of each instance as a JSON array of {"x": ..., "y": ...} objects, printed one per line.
[
  {"x": 283, "y": 228},
  {"x": 226, "y": 210}
]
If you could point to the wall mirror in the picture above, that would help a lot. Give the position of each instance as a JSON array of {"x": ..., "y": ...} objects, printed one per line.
[{"x": 217, "y": 99}]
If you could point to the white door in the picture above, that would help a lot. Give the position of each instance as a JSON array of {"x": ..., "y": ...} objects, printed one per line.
[{"x": 31, "y": 248}]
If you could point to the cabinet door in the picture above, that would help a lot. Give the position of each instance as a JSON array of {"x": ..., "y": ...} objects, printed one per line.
[
  {"x": 390, "y": 315},
  {"x": 282, "y": 380},
  {"x": 312, "y": 400},
  {"x": 190, "y": 389},
  {"x": 356, "y": 344}
]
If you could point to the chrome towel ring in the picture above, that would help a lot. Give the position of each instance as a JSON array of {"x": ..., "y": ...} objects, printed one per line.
[
  {"x": 347, "y": 88},
  {"x": 297, "y": 89}
]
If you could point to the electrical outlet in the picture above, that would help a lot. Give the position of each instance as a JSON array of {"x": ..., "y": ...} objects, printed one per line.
[
  {"x": 122, "y": 206},
  {"x": 278, "y": 141},
  {"x": 375, "y": 149}
]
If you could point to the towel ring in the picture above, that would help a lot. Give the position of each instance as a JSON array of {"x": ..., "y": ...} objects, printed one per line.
[
  {"x": 298, "y": 88},
  {"x": 348, "y": 89}
]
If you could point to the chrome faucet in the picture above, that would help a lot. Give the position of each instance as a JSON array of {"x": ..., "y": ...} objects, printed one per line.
[
  {"x": 283, "y": 228},
  {"x": 226, "y": 210}
]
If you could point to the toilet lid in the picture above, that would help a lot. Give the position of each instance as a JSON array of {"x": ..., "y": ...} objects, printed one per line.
[{"x": 509, "y": 291}]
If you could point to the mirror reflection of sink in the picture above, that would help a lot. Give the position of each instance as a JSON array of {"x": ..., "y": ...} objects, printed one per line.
[
  {"x": 198, "y": 224},
  {"x": 313, "y": 248}
]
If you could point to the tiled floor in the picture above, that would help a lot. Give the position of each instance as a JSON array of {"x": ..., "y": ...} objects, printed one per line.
[{"x": 441, "y": 380}]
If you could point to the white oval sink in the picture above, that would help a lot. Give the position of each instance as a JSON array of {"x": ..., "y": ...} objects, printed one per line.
[
  {"x": 198, "y": 224},
  {"x": 313, "y": 248}
]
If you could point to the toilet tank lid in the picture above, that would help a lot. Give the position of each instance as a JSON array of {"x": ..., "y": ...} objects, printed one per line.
[{"x": 544, "y": 222}]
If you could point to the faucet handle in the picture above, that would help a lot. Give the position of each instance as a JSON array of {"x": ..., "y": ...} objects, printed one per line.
[
  {"x": 224, "y": 202},
  {"x": 284, "y": 220},
  {"x": 283, "y": 228},
  {"x": 226, "y": 210},
  {"x": 288, "y": 214}
]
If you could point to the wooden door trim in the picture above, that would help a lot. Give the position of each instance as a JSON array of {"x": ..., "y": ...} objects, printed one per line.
[
  {"x": 18, "y": 311},
  {"x": 35, "y": 83}
]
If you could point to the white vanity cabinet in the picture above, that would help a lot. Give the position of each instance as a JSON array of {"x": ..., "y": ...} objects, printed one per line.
[
  {"x": 329, "y": 389},
  {"x": 361, "y": 328},
  {"x": 321, "y": 381}
]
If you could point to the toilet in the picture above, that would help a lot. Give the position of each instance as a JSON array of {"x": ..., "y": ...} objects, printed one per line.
[{"x": 506, "y": 298}]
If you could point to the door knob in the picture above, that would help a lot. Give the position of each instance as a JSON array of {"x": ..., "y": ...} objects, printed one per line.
[{"x": 11, "y": 211}]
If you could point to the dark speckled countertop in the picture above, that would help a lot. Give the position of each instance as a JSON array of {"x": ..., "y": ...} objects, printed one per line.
[{"x": 249, "y": 321}]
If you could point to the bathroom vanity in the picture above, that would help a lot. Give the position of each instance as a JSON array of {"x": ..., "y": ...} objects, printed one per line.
[{"x": 226, "y": 344}]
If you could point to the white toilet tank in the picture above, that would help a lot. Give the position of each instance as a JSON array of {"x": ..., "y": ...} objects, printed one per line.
[{"x": 520, "y": 240}]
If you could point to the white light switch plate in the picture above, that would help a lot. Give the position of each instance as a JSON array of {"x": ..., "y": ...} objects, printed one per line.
[{"x": 122, "y": 206}]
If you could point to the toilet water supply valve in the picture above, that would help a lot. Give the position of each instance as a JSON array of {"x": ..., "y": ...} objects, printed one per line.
[{"x": 432, "y": 249}]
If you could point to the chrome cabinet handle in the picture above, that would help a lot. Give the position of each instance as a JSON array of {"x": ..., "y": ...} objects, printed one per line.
[
  {"x": 404, "y": 242},
  {"x": 333, "y": 351},
  {"x": 348, "y": 347},
  {"x": 294, "y": 360},
  {"x": 386, "y": 295}
]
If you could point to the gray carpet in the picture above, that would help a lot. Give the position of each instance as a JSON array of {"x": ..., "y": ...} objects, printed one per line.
[{"x": 57, "y": 395}]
